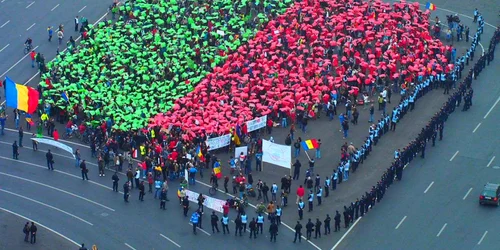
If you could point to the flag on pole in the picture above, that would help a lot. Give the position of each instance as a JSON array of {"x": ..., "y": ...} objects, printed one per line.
[
  {"x": 29, "y": 119},
  {"x": 430, "y": 6},
  {"x": 64, "y": 96},
  {"x": 200, "y": 154},
  {"x": 21, "y": 97},
  {"x": 310, "y": 144},
  {"x": 218, "y": 172},
  {"x": 236, "y": 138}
]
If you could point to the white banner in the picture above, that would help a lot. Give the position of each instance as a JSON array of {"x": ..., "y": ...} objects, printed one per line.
[
  {"x": 55, "y": 144},
  {"x": 218, "y": 142},
  {"x": 256, "y": 123},
  {"x": 210, "y": 202},
  {"x": 239, "y": 150},
  {"x": 277, "y": 154}
]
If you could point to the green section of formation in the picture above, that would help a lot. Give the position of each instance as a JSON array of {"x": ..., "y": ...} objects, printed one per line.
[{"x": 138, "y": 66}]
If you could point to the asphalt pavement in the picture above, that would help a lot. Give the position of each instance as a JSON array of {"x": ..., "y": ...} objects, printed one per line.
[
  {"x": 11, "y": 228},
  {"x": 121, "y": 230},
  {"x": 23, "y": 19},
  {"x": 436, "y": 205}
]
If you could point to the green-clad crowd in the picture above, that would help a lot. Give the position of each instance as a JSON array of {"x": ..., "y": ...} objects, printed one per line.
[{"x": 157, "y": 51}]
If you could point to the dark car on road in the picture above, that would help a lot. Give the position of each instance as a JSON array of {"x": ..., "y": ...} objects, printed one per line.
[{"x": 490, "y": 194}]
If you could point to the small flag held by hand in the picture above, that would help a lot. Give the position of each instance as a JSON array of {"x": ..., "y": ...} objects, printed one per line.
[{"x": 430, "y": 6}]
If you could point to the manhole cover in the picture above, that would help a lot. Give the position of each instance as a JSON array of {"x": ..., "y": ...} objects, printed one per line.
[{"x": 104, "y": 214}]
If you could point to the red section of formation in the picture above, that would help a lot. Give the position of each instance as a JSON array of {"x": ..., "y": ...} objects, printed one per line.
[{"x": 314, "y": 49}]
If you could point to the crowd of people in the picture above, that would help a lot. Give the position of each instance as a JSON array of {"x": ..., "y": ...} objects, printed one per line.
[
  {"x": 155, "y": 53},
  {"x": 299, "y": 41},
  {"x": 319, "y": 54}
]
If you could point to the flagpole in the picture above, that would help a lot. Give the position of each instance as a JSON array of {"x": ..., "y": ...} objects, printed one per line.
[{"x": 307, "y": 155}]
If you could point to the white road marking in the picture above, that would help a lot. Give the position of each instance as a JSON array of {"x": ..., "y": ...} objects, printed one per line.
[
  {"x": 282, "y": 223},
  {"x": 482, "y": 238},
  {"x": 429, "y": 187},
  {"x": 57, "y": 189},
  {"x": 55, "y": 7},
  {"x": 201, "y": 230},
  {"x": 442, "y": 229},
  {"x": 41, "y": 225},
  {"x": 173, "y": 242},
  {"x": 453, "y": 157},
  {"x": 474, "y": 131},
  {"x": 467, "y": 194},
  {"x": 47, "y": 137},
  {"x": 401, "y": 222},
  {"x": 491, "y": 161},
  {"x": 129, "y": 246},
  {"x": 345, "y": 234},
  {"x": 4, "y": 47},
  {"x": 406, "y": 165},
  {"x": 491, "y": 109},
  {"x": 36, "y": 74},
  {"x": 5, "y": 24},
  {"x": 30, "y": 26},
  {"x": 47, "y": 205},
  {"x": 82, "y": 8},
  {"x": 59, "y": 171},
  {"x": 15, "y": 64},
  {"x": 29, "y": 5}
]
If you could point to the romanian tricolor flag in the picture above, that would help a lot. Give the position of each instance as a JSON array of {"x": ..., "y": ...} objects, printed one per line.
[
  {"x": 29, "y": 119},
  {"x": 200, "y": 154},
  {"x": 21, "y": 97},
  {"x": 218, "y": 172},
  {"x": 310, "y": 144},
  {"x": 430, "y": 6},
  {"x": 236, "y": 138}
]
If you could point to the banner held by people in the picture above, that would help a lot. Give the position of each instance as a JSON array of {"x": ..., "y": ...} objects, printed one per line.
[
  {"x": 256, "y": 123},
  {"x": 218, "y": 142},
  {"x": 55, "y": 144},
  {"x": 277, "y": 154},
  {"x": 210, "y": 202}
]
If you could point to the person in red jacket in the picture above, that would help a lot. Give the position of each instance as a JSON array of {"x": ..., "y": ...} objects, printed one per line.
[
  {"x": 56, "y": 135},
  {"x": 33, "y": 57},
  {"x": 300, "y": 194}
]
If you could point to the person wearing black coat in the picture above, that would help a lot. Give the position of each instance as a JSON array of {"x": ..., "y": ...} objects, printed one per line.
[
  {"x": 50, "y": 160},
  {"x": 115, "y": 179},
  {"x": 346, "y": 217},
  {"x": 273, "y": 230},
  {"x": 33, "y": 230},
  {"x": 309, "y": 229},
  {"x": 337, "y": 221},
  {"x": 317, "y": 228},
  {"x": 163, "y": 198},
  {"x": 214, "y": 220},
  {"x": 83, "y": 167},
  {"x": 126, "y": 191},
  {"x": 298, "y": 232},
  {"x": 141, "y": 191}
]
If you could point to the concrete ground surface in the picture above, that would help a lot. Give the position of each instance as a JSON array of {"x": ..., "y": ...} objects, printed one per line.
[
  {"x": 93, "y": 202},
  {"x": 436, "y": 205},
  {"x": 11, "y": 227}
]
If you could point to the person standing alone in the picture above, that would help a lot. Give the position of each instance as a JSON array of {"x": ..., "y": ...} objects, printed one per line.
[
  {"x": 77, "y": 21},
  {"x": 50, "y": 160},
  {"x": 84, "y": 169}
]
